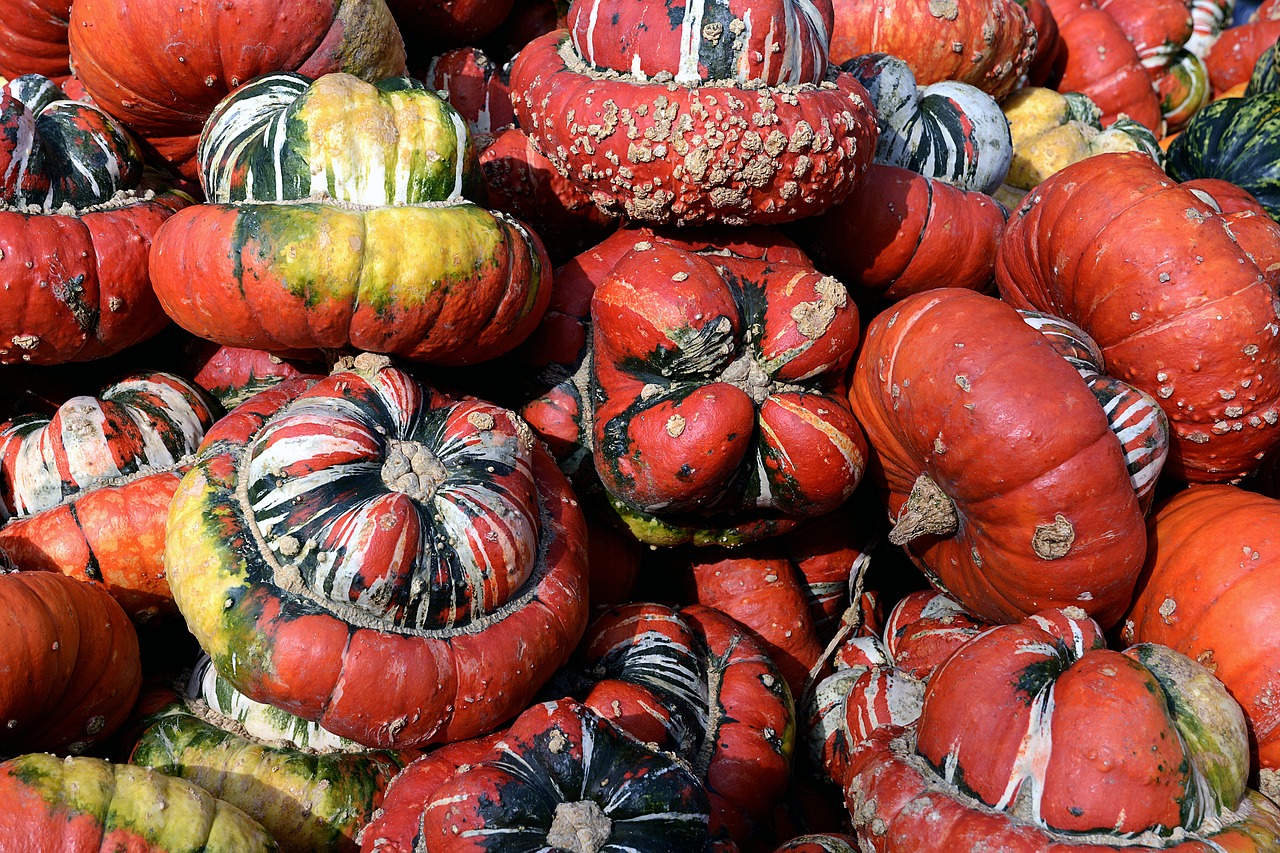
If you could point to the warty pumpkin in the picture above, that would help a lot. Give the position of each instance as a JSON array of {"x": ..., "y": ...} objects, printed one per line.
[{"x": 948, "y": 378}]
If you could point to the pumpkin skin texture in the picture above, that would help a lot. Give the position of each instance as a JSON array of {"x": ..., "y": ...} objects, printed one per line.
[
  {"x": 694, "y": 417},
  {"x": 448, "y": 283},
  {"x": 477, "y": 88},
  {"x": 1184, "y": 90},
  {"x": 1165, "y": 748},
  {"x": 87, "y": 805},
  {"x": 415, "y": 643},
  {"x": 1208, "y": 581},
  {"x": 1234, "y": 55},
  {"x": 989, "y": 45},
  {"x": 1095, "y": 223},
  {"x": 539, "y": 789},
  {"x": 307, "y": 796},
  {"x": 1057, "y": 523},
  {"x": 70, "y": 668},
  {"x": 286, "y": 136},
  {"x": 1099, "y": 61},
  {"x": 131, "y": 59},
  {"x": 949, "y": 131},
  {"x": 819, "y": 142},
  {"x": 819, "y": 843},
  {"x": 33, "y": 39},
  {"x": 900, "y": 232},
  {"x": 234, "y": 374},
  {"x": 1233, "y": 139},
  {"x": 1157, "y": 28}
]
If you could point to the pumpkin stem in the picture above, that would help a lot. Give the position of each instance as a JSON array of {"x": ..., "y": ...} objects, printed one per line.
[
  {"x": 411, "y": 469},
  {"x": 927, "y": 512},
  {"x": 580, "y": 827},
  {"x": 1052, "y": 541}
]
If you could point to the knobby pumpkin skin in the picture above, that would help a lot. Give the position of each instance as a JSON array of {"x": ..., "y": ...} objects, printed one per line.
[
  {"x": 1209, "y": 580},
  {"x": 1194, "y": 324},
  {"x": 1009, "y": 489},
  {"x": 308, "y": 795},
  {"x": 33, "y": 38},
  {"x": 716, "y": 389},
  {"x": 443, "y": 282},
  {"x": 87, "y": 805},
  {"x": 1035, "y": 737},
  {"x": 985, "y": 44},
  {"x": 429, "y": 577},
  {"x": 900, "y": 232},
  {"x": 69, "y": 664},
  {"x": 645, "y": 149},
  {"x": 161, "y": 68}
]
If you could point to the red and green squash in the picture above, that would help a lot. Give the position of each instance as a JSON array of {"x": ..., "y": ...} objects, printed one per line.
[
  {"x": 370, "y": 555},
  {"x": 87, "y": 805}
]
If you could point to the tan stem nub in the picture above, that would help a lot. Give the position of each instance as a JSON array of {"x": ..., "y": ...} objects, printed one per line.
[
  {"x": 1053, "y": 541},
  {"x": 411, "y": 469},
  {"x": 927, "y": 512},
  {"x": 750, "y": 376},
  {"x": 580, "y": 827}
]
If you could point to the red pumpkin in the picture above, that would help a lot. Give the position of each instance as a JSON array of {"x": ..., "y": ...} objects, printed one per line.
[
  {"x": 643, "y": 148},
  {"x": 1048, "y": 44},
  {"x": 1056, "y": 736},
  {"x": 717, "y": 391},
  {"x": 1157, "y": 28},
  {"x": 426, "y": 602},
  {"x": 1191, "y": 323},
  {"x": 69, "y": 664},
  {"x": 476, "y": 87},
  {"x": 33, "y": 38},
  {"x": 900, "y": 232},
  {"x": 947, "y": 383},
  {"x": 162, "y": 68},
  {"x": 1209, "y": 581},
  {"x": 985, "y": 43},
  {"x": 1098, "y": 60},
  {"x": 234, "y": 374},
  {"x": 1232, "y": 57}
]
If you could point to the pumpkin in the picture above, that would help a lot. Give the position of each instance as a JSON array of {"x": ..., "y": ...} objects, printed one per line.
[
  {"x": 950, "y": 377},
  {"x": 1048, "y": 44},
  {"x": 69, "y": 664},
  {"x": 1100, "y": 62},
  {"x": 1035, "y": 737},
  {"x": 1184, "y": 90},
  {"x": 1209, "y": 18},
  {"x": 900, "y": 232},
  {"x": 659, "y": 154},
  {"x": 1051, "y": 131},
  {"x": 33, "y": 38},
  {"x": 1156, "y": 28},
  {"x": 1233, "y": 56},
  {"x": 309, "y": 794},
  {"x": 75, "y": 230},
  {"x": 234, "y": 374},
  {"x": 477, "y": 88},
  {"x": 1208, "y": 581},
  {"x": 1118, "y": 217},
  {"x": 819, "y": 843},
  {"x": 161, "y": 69},
  {"x": 561, "y": 777},
  {"x": 87, "y": 489},
  {"x": 286, "y": 136},
  {"x": 950, "y": 131},
  {"x": 1266, "y": 74},
  {"x": 397, "y": 608},
  {"x": 85, "y": 805},
  {"x": 989, "y": 45},
  {"x": 448, "y": 23},
  {"x": 1231, "y": 140},
  {"x": 695, "y": 682},
  {"x": 716, "y": 393}
]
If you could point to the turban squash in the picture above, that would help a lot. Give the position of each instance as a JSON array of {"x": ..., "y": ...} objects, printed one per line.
[
  {"x": 323, "y": 235},
  {"x": 1154, "y": 272},
  {"x": 1036, "y": 737},
  {"x": 697, "y": 112},
  {"x": 367, "y": 554},
  {"x": 33, "y": 38},
  {"x": 1008, "y": 487}
]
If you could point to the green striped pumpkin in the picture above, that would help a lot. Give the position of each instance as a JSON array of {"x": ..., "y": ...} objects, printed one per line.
[
  {"x": 284, "y": 137},
  {"x": 1237, "y": 140},
  {"x": 1266, "y": 74}
]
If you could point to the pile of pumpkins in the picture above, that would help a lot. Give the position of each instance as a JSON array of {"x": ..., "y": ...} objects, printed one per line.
[{"x": 710, "y": 425}]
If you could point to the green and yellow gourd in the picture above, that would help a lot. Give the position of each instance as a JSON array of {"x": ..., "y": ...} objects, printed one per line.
[
  {"x": 311, "y": 789},
  {"x": 344, "y": 215},
  {"x": 1052, "y": 130},
  {"x": 87, "y": 805}
]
